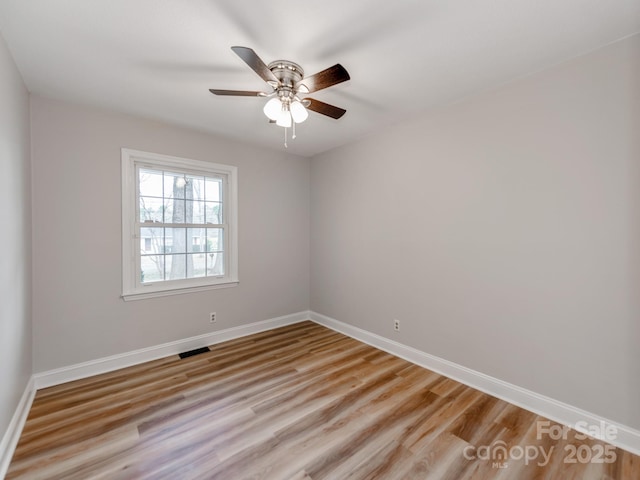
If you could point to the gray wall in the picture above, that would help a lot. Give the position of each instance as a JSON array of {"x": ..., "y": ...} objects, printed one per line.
[
  {"x": 77, "y": 310},
  {"x": 503, "y": 232},
  {"x": 15, "y": 239}
]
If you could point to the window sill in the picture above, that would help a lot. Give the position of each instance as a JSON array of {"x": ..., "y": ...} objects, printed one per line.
[{"x": 127, "y": 297}]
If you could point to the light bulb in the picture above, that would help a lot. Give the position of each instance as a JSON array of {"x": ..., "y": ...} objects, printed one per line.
[
  {"x": 298, "y": 112},
  {"x": 284, "y": 119},
  {"x": 273, "y": 108}
]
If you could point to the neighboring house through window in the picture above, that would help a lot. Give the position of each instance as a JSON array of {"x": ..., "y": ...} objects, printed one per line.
[{"x": 179, "y": 224}]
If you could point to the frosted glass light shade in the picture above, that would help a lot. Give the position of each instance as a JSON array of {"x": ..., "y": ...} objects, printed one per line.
[
  {"x": 298, "y": 112},
  {"x": 273, "y": 108},
  {"x": 284, "y": 119}
]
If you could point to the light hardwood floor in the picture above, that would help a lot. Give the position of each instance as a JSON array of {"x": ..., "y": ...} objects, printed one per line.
[{"x": 298, "y": 402}]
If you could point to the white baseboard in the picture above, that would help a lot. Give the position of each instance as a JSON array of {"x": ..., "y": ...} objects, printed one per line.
[
  {"x": 12, "y": 435},
  {"x": 115, "y": 362},
  {"x": 627, "y": 438}
]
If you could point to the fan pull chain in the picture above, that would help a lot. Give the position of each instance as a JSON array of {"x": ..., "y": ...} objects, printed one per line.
[
  {"x": 293, "y": 137},
  {"x": 285, "y": 138}
]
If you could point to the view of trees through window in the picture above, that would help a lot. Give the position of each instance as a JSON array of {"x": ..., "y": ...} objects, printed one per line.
[{"x": 181, "y": 225}]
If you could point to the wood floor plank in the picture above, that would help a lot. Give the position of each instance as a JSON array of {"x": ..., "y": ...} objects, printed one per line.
[{"x": 299, "y": 402}]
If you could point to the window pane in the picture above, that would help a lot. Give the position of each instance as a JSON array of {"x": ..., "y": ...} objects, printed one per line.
[
  {"x": 175, "y": 267},
  {"x": 176, "y": 211},
  {"x": 215, "y": 239},
  {"x": 150, "y": 209},
  {"x": 152, "y": 268},
  {"x": 197, "y": 187},
  {"x": 174, "y": 185},
  {"x": 151, "y": 240},
  {"x": 175, "y": 240},
  {"x": 195, "y": 211},
  {"x": 196, "y": 240},
  {"x": 215, "y": 264},
  {"x": 213, "y": 213},
  {"x": 150, "y": 183},
  {"x": 196, "y": 265},
  {"x": 213, "y": 189}
]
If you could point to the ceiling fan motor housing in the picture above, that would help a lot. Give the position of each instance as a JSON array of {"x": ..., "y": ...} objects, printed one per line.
[{"x": 288, "y": 74}]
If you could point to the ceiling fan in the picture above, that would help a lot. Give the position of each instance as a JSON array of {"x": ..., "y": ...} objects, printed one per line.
[{"x": 288, "y": 83}]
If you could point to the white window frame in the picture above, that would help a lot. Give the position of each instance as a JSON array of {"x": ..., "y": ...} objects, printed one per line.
[{"x": 132, "y": 288}]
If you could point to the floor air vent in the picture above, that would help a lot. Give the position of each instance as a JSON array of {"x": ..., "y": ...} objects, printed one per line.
[{"x": 191, "y": 353}]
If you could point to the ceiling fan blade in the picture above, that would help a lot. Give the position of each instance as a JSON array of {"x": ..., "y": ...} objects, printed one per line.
[
  {"x": 238, "y": 93},
  {"x": 324, "y": 79},
  {"x": 324, "y": 108},
  {"x": 252, "y": 59}
]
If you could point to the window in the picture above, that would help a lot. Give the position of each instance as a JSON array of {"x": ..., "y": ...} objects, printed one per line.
[{"x": 179, "y": 225}]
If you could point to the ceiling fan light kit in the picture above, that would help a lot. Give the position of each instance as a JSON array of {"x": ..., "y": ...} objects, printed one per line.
[
  {"x": 285, "y": 108},
  {"x": 298, "y": 112}
]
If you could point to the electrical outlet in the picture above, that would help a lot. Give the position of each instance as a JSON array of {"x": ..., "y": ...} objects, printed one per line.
[
  {"x": 212, "y": 317},
  {"x": 396, "y": 325}
]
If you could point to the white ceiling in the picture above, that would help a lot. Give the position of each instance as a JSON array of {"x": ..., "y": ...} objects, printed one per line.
[{"x": 158, "y": 58}]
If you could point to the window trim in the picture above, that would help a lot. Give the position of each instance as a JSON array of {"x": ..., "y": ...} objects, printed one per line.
[{"x": 131, "y": 289}]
